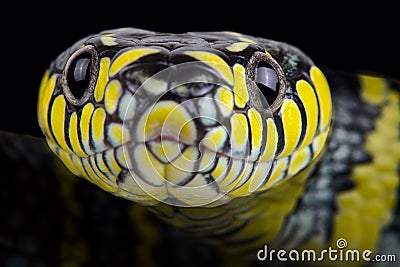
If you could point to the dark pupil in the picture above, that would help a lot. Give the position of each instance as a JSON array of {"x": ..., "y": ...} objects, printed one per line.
[
  {"x": 78, "y": 76},
  {"x": 268, "y": 81}
]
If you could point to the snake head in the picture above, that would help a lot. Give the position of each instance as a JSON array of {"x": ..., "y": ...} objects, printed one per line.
[{"x": 187, "y": 119}]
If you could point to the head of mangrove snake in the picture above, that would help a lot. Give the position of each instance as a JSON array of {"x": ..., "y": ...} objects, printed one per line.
[{"x": 186, "y": 119}]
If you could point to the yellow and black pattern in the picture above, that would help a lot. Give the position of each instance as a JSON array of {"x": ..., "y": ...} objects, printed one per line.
[
  {"x": 238, "y": 140},
  {"x": 357, "y": 184},
  {"x": 258, "y": 144}
]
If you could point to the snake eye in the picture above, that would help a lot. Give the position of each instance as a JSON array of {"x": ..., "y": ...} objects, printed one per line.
[
  {"x": 269, "y": 77},
  {"x": 80, "y": 75},
  {"x": 267, "y": 80}
]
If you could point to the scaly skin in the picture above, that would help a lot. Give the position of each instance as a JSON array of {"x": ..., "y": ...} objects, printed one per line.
[{"x": 239, "y": 165}]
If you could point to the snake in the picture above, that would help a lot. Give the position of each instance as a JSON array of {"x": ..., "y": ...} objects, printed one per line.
[{"x": 209, "y": 148}]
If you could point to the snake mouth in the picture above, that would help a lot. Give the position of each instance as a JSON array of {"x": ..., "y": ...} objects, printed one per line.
[
  {"x": 172, "y": 172},
  {"x": 166, "y": 148},
  {"x": 163, "y": 169},
  {"x": 173, "y": 159}
]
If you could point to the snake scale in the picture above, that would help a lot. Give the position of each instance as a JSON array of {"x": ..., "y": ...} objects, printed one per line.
[{"x": 210, "y": 147}]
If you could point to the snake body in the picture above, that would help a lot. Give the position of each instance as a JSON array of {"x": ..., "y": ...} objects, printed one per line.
[{"x": 238, "y": 140}]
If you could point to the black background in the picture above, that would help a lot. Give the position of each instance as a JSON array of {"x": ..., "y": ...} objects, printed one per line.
[{"x": 357, "y": 38}]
